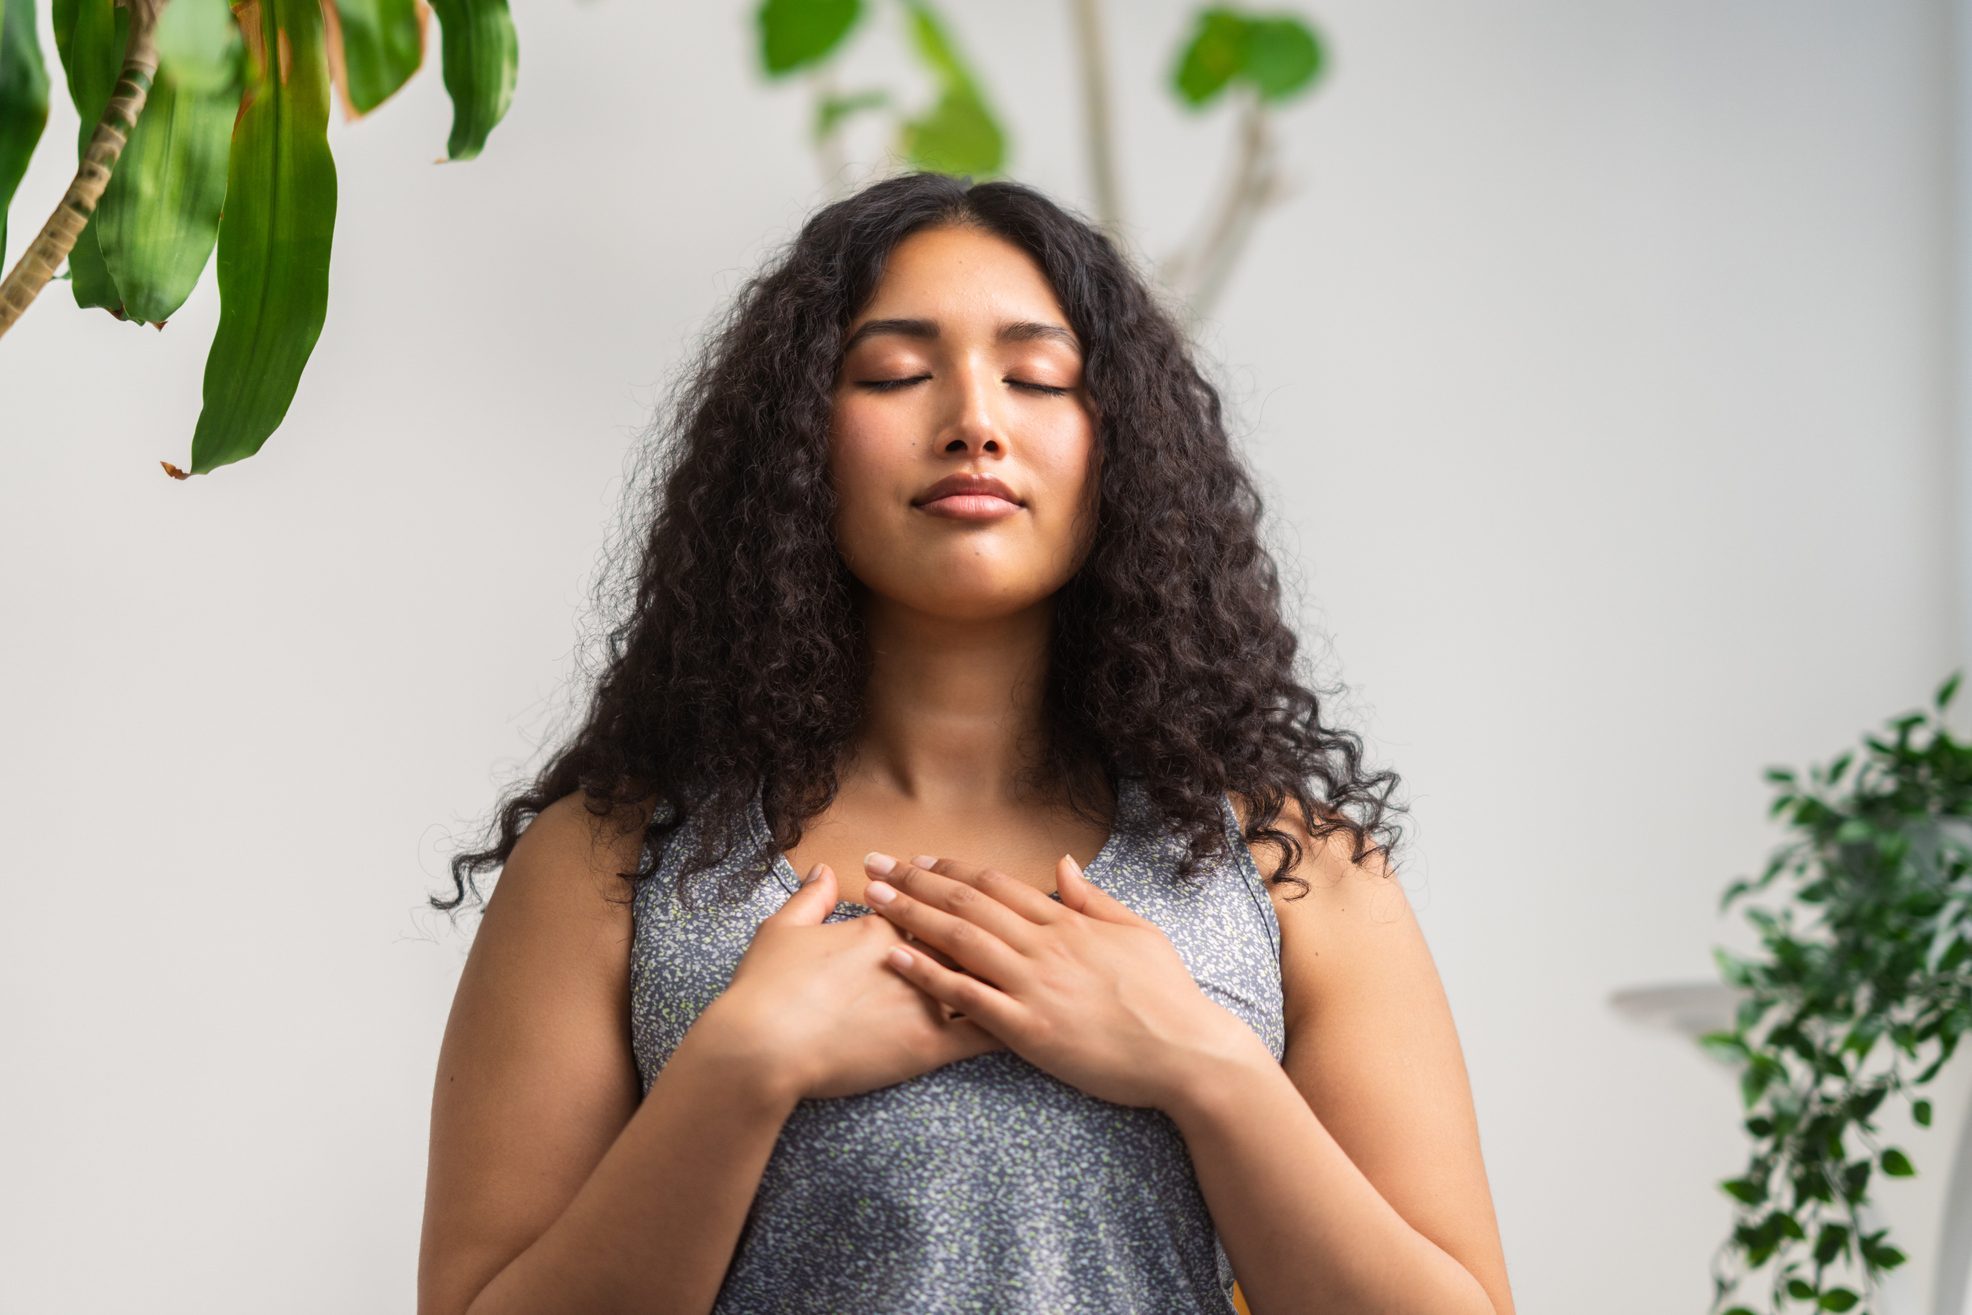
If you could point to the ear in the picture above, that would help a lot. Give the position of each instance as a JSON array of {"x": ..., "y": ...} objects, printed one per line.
[{"x": 1084, "y": 896}]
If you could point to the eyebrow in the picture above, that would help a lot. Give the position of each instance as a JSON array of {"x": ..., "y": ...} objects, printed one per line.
[{"x": 1009, "y": 331}]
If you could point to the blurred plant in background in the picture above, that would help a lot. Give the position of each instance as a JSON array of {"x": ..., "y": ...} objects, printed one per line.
[
  {"x": 192, "y": 141},
  {"x": 1888, "y": 863}
]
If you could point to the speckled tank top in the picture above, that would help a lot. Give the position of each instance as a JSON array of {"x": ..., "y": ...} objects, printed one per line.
[{"x": 986, "y": 1185}]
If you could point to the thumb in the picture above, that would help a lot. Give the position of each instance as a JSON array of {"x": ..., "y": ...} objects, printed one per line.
[{"x": 814, "y": 901}]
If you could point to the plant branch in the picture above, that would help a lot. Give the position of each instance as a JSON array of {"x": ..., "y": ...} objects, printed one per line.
[
  {"x": 1096, "y": 120},
  {"x": 58, "y": 236},
  {"x": 828, "y": 150},
  {"x": 1200, "y": 271}
]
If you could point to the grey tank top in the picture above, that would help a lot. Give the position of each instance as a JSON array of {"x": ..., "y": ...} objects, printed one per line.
[{"x": 986, "y": 1185}]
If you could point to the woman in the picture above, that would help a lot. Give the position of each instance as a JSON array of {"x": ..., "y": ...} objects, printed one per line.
[{"x": 952, "y": 576}]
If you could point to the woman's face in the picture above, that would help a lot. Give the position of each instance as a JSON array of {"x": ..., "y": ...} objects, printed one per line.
[{"x": 976, "y": 398}]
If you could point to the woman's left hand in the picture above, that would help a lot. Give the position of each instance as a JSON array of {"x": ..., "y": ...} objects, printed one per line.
[{"x": 1085, "y": 989}]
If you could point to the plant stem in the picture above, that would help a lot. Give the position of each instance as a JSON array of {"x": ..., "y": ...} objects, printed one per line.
[
  {"x": 1096, "y": 118},
  {"x": 58, "y": 236}
]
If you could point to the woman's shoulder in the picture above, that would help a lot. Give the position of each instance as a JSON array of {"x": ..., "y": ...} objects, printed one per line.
[{"x": 582, "y": 852}]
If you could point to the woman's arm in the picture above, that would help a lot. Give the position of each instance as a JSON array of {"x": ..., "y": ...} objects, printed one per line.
[
  {"x": 553, "y": 1183},
  {"x": 655, "y": 1225},
  {"x": 1349, "y": 1175}
]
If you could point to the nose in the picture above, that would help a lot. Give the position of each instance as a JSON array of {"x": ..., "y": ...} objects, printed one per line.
[{"x": 974, "y": 419}]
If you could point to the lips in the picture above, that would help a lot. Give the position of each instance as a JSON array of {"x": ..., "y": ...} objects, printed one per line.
[{"x": 967, "y": 483}]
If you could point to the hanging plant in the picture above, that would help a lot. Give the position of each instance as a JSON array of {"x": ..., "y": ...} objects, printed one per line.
[
  {"x": 204, "y": 127},
  {"x": 1886, "y": 862}
]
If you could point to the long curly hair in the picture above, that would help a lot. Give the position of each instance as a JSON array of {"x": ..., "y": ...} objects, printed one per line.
[{"x": 736, "y": 658}]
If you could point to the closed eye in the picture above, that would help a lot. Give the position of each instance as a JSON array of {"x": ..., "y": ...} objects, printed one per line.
[{"x": 890, "y": 385}]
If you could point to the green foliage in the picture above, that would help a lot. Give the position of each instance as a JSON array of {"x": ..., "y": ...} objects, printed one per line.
[
  {"x": 23, "y": 99},
  {"x": 158, "y": 218},
  {"x": 795, "y": 34},
  {"x": 206, "y": 168},
  {"x": 1279, "y": 56},
  {"x": 382, "y": 47},
  {"x": 1887, "y": 863},
  {"x": 480, "y": 62},
  {"x": 274, "y": 241},
  {"x": 959, "y": 134},
  {"x": 89, "y": 37}
]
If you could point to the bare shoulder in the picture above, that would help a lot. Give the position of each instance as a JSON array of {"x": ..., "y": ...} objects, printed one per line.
[
  {"x": 1372, "y": 1046},
  {"x": 582, "y": 848},
  {"x": 536, "y": 1073},
  {"x": 1322, "y": 924}
]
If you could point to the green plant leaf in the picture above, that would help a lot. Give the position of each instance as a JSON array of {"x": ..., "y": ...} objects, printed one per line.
[
  {"x": 797, "y": 33},
  {"x": 89, "y": 37},
  {"x": 1283, "y": 56},
  {"x": 159, "y": 215},
  {"x": 958, "y": 136},
  {"x": 1724, "y": 1044},
  {"x": 480, "y": 59},
  {"x": 936, "y": 49},
  {"x": 1745, "y": 1190},
  {"x": 1838, "y": 1299},
  {"x": 1279, "y": 56},
  {"x": 23, "y": 102},
  {"x": 1946, "y": 690},
  {"x": 1921, "y": 1111},
  {"x": 1731, "y": 968},
  {"x": 1212, "y": 58},
  {"x": 274, "y": 238},
  {"x": 1896, "y": 1163},
  {"x": 383, "y": 44}
]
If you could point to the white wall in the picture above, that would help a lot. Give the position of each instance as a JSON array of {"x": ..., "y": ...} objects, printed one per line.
[{"x": 1601, "y": 371}]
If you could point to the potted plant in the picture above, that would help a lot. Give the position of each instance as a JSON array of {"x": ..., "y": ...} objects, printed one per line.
[{"x": 1835, "y": 1017}]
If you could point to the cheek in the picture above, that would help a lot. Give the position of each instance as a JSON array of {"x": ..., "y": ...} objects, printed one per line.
[
  {"x": 864, "y": 472},
  {"x": 862, "y": 460}
]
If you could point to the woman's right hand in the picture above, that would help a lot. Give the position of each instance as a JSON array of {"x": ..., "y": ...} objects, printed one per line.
[{"x": 821, "y": 1008}]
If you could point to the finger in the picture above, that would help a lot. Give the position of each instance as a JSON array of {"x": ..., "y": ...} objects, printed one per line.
[
  {"x": 892, "y": 932},
  {"x": 960, "y": 899},
  {"x": 813, "y": 901},
  {"x": 1084, "y": 896},
  {"x": 982, "y": 1004},
  {"x": 953, "y": 917},
  {"x": 1016, "y": 894}
]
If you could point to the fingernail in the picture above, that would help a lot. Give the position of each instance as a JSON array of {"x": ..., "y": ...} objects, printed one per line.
[
  {"x": 880, "y": 892},
  {"x": 878, "y": 861},
  {"x": 923, "y": 861},
  {"x": 813, "y": 872}
]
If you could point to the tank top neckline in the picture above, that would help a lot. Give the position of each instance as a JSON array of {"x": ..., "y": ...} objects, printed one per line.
[{"x": 1125, "y": 789}]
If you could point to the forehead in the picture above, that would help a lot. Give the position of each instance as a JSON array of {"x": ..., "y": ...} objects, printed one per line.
[{"x": 964, "y": 283}]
